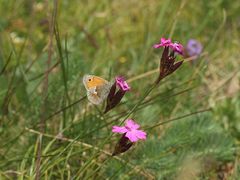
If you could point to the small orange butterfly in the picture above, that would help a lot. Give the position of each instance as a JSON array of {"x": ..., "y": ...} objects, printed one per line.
[{"x": 97, "y": 88}]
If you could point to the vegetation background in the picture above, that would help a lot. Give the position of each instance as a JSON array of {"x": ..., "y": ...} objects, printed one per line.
[{"x": 48, "y": 130}]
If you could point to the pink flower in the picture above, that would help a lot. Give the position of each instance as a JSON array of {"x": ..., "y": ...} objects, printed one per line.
[
  {"x": 164, "y": 43},
  {"x": 177, "y": 47},
  {"x": 122, "y": 84},
  {"x": 131, "y": 130},
  {"x": 114, "y": 97}
]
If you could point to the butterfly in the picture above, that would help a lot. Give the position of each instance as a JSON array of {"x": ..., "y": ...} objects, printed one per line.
[{"x": 97, "y": 88}]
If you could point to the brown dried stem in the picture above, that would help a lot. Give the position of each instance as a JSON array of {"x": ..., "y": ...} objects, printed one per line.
[{"x": 42, "y": 122}]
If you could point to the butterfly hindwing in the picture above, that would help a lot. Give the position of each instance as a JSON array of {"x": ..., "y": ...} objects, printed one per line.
[{"x": 97, "y": 88}]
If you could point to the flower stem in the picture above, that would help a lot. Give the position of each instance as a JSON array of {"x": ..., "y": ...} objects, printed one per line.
[
  {"x": 139, "y": 102},
  {"x": 177, "y": 118}
]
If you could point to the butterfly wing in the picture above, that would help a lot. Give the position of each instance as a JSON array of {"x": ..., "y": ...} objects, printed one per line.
[
  {"x": 98, "y": 94},
  {"x": 97, "y": 88}
]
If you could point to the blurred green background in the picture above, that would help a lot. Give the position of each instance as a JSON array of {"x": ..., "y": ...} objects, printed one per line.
[{"x": 41, "y": 74}]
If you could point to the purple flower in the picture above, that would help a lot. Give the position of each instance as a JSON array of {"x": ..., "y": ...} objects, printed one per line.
[
  {"x": 122, "y": 84},
  {"x": 193, "y": 48},
  {"x": 163, "y": 43},
  {"x": 130, "y": 130}
]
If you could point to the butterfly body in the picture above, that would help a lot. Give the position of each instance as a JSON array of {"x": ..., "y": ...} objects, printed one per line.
[{"x": 97, "y": 88}]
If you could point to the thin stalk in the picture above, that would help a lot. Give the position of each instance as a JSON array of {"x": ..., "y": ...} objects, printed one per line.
[
  {"x": 177, "y": 118},
  {"x": 74, "y": 141},
  {"x": 130, "y": 112},
  {"x": 42, "y": 122},
  {"x": 6, "y": 64},
  {"x": 65, "y": 108}
]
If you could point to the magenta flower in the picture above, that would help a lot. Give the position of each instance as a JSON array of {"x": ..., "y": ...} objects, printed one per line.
[
  {"x": 168, "y": 64},
  {"x": 122, "y": 84},
  {"x": 116, "y": 94},
  {"x": 177, "y": 47},
  {"x": 130, "y": 130},
  {"x": 164, "y": 43}
]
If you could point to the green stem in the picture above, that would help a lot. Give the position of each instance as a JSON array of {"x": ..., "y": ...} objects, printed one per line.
[
  {"x": 130, "y": 112},
  {"x": 177, "y": 118},
  {"x": 139, "y": 102}
]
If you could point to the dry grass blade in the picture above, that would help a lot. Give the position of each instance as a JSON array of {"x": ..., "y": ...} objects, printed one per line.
[
  {"x": 146, "y": 74},
  {"x": 137, "y": 169},
  {"x": 6, "y": 64},
  {"x": 42, "y": 123}
]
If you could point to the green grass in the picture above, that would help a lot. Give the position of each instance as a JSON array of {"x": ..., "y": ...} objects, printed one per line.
[{"x": 41, "y": 83}]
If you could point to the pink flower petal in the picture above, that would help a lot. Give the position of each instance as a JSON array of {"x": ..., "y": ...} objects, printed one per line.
[
  {"x": 157, "y": 46},
  {"x": 131, "y": 124},
  {"x": 131, "y": 130},
  {"x": 163, "y": 43},
  {"x": 177, "y": 47},
  {"x": 131, "y": 136},
  {"x": 118, "y": 129},
  {"x": 140, "y": 134},
  {"x": 122, "y": 84},
  {"x": 163, "y": 39}
]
